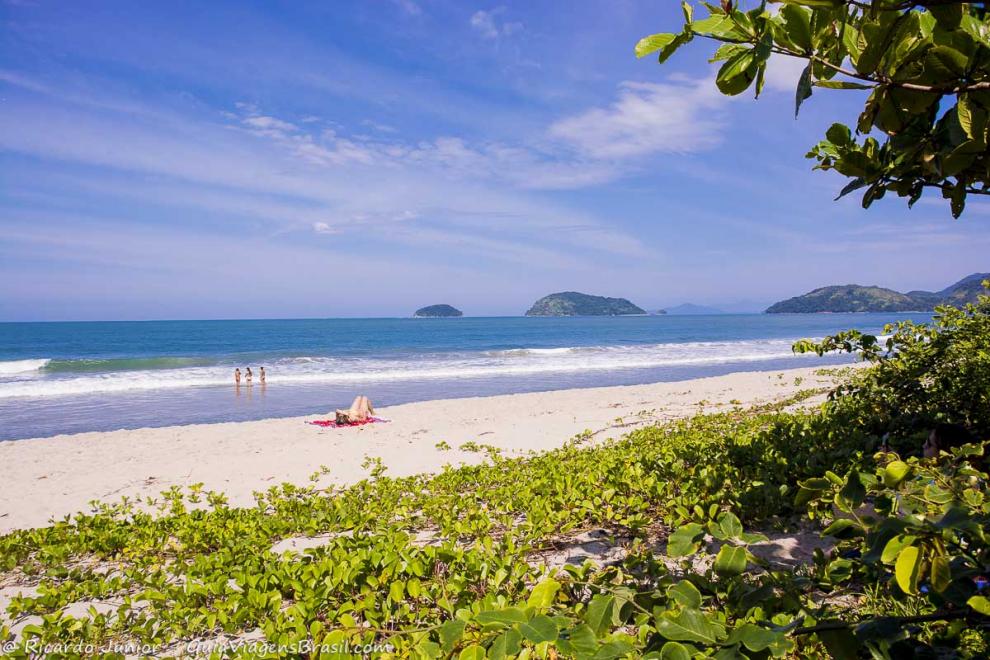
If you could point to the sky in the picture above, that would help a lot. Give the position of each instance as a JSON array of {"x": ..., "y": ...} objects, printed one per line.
[{"x": 237, "y": 159}]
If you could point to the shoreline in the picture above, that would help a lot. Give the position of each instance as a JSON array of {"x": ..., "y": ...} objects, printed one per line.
[{"x": 59, "y": 475}]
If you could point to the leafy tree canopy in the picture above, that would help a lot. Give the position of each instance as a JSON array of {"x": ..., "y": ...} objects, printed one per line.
[{"x": 926, "y": 65}]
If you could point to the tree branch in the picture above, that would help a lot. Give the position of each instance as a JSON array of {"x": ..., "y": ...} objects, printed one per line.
[
  {"x": 942, "y": 615},
  {"x": 936, "y": 89}
]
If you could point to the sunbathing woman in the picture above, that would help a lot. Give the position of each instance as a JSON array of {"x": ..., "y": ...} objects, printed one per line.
[{"x": 360, "y": 411}]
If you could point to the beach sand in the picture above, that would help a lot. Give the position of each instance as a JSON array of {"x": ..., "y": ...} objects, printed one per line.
[{"x": 47, "y": 478}]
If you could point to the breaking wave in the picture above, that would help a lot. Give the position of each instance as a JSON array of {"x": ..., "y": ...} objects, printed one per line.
[
  {"x": 11, "y": 367},
  {"x": 48, "y": 378}
]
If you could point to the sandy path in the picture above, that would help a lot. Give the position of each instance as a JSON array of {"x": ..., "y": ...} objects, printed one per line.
[{"x": 54, "y": 477}]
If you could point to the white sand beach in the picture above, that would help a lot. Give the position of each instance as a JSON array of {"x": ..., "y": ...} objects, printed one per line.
[{"x": 58, "y": 476}]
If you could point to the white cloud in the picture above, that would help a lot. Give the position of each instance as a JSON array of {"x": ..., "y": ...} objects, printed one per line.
[
  {"x": 488, "y": 25},
  {"x": 269, "y": 126},
  {"x": 783, "y": 73},
  {"x": 680, "y": 117},
  {"x": 324, "y": 228}
]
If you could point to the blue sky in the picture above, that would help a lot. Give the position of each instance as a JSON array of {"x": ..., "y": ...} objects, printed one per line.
[{"x": 310, "y": 159}]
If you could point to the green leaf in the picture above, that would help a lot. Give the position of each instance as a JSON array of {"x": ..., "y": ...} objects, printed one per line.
[
  {"x": 948, "y": 17},
  {"x": 451, "y": 633},
  {"x": 577, "y": 642},
  {"x": 653, "y": 43},
  {"x": 473, "y": 652},
  {"x": 803, "y": 92},
  {"x": 601, "y": 609},
  {"x": 688, "y": 9},
  {"x": 941, "y": 573},
  {"x": 689, "y": 625},
  {"x": 894, "y": 473},
  {"x": 853, "y": 492},
  {"x": 730, "y": 560},
  {"x": 506, "y": 616},
  {"x": 544, "y": 594},
  {"x": 671, "y": 48},
  {"x": 540, "y": 628},
  {"x": 843, "y": 528},
  {"x": 613, "y": 649},
  {"x": 852, "y": 186},
  {"x": 894, "y": 546},
  {"x": 728, "y": 526},
  {"x": 756, "y": 638},
  {"x": 797, "y": 22},
  {"x": 907, "y": 570},
  {"x": 414, "y": 587},
  {"x": 685, "y": 594},
  {"x": 426, "y": 648},
  {"x": 737, "y": 74},
  {"x": 717, "y": 25},
  {"x": 396, "y": 591},
  {"x": 841, "y": 644},
  {"x": 980, "y": 603},
  {"x": 946, "y": 63},
  {"x": 839, "y": 134},
  {"x": 674, "y": 651},
  {"x": 507, "y": 644},
  {"x": 685, "y": 540}
]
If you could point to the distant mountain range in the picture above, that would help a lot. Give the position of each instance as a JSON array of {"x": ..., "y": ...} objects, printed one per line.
[
  {"x": 691, "y": 308},
  {"x": 572, "y": 303},
  {"x": 856, "y": 298}
]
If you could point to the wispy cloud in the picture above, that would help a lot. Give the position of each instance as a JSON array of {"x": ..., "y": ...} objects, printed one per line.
[
  {"x": 300, "y": 176},
  {"x": 783, "y": 73},
  {"x": 679, "y": 116},
  {"x": 489, "y": 25},
  {"x": 409, "y": 7}
]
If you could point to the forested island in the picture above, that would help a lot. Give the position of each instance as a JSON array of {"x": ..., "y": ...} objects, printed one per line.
[
  {"x": 572, "y": 303},
  {"x": 856, "y": 298},
  {"x": 438, "y": 312}
]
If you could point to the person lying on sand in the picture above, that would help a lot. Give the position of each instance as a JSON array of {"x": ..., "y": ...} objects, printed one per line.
[{"x": 359, "y": 411}]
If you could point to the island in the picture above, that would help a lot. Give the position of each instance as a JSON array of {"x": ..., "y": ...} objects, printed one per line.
[
  {"x": 691, "y": 308},
  {"x": 437, "y": 312},
  {"x": 572, "y": 303},
  {"x": 856, "y": 298}
]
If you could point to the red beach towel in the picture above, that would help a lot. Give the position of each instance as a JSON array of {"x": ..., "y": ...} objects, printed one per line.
[{"x": 332, "y": 424}]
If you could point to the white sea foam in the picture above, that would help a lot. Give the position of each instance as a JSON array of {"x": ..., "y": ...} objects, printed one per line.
[
  {"x": 22, "y": 366},
  {"x": 447, "y": 366}
]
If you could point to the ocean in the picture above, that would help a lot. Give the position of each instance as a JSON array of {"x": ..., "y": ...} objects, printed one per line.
[{"x": 96, "y": 376}]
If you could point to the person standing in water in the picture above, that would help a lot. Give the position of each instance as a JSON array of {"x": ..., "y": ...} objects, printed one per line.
[
  {"x": 248, "y": 375},
  {"x": 237, "y": 376},
  {"x": 261, "y": 376}
]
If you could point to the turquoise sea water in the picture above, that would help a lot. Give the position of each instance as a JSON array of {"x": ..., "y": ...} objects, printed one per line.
[{"x": 72, "y": 377}]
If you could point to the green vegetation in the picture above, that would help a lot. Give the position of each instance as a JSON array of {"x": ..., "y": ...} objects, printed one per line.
[
  {"x": 571, "y": 303},
  {"x": 438, "y": 311},
  {"x": 924, "y": 63},
  {"x": 848, "y": 298},
  {"x": 855, "y": 298},
  {"x": 455, "y": 565}
]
